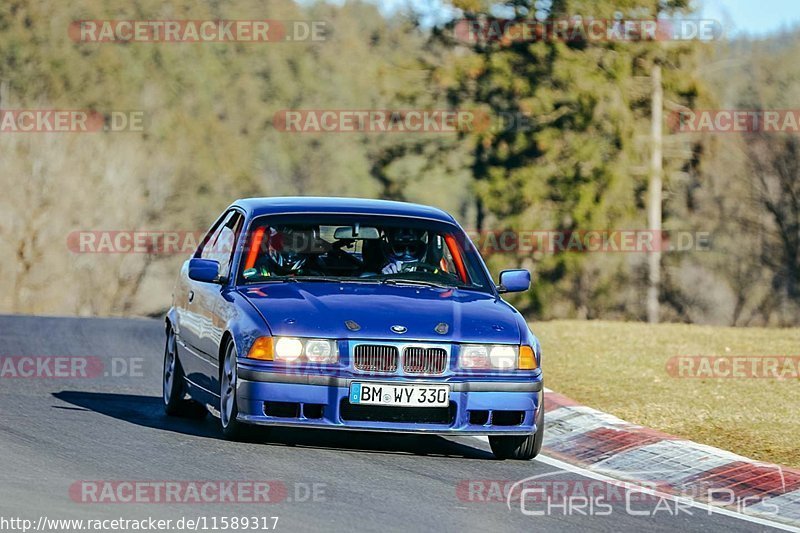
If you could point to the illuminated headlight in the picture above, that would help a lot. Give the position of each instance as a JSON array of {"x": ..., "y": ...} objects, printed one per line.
[
  {"x": 294, "y": 350},
  {"x": 288, "y": 349},
  {"x": 489, "y": 356},
  {"x": 503, "y": 357}
]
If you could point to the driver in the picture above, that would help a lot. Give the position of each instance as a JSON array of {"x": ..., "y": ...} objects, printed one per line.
[
  {"x": 403, "y": 247},
  {"x": 283, "y": 255}
]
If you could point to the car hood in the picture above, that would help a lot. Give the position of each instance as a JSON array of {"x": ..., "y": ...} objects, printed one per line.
[{"x": 325, "y": 310}]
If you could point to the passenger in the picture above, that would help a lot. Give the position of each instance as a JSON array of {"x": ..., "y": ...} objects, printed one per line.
[{"x": 403, "y": 248}]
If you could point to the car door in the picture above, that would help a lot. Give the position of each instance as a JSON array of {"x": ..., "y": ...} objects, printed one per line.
[
  {"x": 208, "y": 305},
  {"x": 189, "y": 325}
]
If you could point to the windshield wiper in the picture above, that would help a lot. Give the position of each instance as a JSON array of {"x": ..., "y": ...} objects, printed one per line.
[
  {"x": 421, "y": 283},
  {"x": 267, "y": 280},
  {"x": 335, "y": 280}
]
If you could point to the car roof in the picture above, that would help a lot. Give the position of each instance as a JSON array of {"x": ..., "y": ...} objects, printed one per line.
[{"x": 357, "y": 206}]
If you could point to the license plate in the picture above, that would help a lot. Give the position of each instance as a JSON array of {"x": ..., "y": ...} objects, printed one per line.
[{"x": 400, "y": 395}]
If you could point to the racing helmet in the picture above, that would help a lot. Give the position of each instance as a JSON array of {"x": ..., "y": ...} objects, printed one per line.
[
  {"x": 284, "y": 251},
  {"x": 405, "y": 244}
]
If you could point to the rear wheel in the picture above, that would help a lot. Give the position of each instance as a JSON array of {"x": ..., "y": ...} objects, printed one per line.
[
  {"x": 228, "y": 408},
  {"x": 523, "y": 448},
  {"x": 174, "y": 385}
]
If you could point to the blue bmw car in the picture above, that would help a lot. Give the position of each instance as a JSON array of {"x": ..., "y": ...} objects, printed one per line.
[{"x": 351, "y": 314}]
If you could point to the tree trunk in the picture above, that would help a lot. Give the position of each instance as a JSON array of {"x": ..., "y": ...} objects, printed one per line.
[{"x": 654, "y": 197}]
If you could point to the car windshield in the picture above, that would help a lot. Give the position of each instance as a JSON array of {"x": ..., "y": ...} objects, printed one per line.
[{"x": 388, "y": 250}]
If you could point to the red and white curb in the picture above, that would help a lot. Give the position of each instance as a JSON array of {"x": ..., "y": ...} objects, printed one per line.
[{"x": 608, "y": 446}]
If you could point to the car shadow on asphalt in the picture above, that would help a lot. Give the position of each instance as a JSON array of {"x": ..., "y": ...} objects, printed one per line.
[{"x": 147, "y": 411}]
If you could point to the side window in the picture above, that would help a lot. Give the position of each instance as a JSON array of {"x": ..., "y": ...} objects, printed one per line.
[
  {"x": 226, "y": 243},
  {"x": 221, "y": 245},
  {"x": 207, "y": 248}
]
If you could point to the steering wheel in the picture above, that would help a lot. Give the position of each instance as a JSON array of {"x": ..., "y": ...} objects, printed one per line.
[{"x": 419, "y": 267}]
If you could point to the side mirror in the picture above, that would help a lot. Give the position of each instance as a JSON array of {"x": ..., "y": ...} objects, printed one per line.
[
  {"x": 514, "y": 281},
  {"x": 205, "y": 270}
]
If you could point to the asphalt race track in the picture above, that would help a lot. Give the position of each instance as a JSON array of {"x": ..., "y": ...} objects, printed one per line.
[{"x": 56, "y": 433}]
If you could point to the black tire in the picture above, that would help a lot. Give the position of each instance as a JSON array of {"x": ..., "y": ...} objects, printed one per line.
[
  {"x": 174, "y": 385},
  {"x": 522, "y": 448},
  {"x": 232, "y": 429}
]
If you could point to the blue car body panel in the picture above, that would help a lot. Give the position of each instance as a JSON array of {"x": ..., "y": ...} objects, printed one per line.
[
  {"x": 205, "y": 315},
  {"x": 473, "y": 316}
]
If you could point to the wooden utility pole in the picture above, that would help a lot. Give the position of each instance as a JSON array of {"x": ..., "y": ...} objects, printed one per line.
[{"x": 654, "y": 197}]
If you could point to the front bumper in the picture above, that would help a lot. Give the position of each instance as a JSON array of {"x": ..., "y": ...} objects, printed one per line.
[{"x": 477, "y": 407}]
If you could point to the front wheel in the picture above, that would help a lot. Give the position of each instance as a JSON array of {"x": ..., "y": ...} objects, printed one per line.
[
  {"x": 522, "y": 448},
  {"x": 232, "y": 429}
]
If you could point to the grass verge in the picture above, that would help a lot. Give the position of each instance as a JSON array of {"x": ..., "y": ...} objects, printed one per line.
[{"x": 622, "y": 368}]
